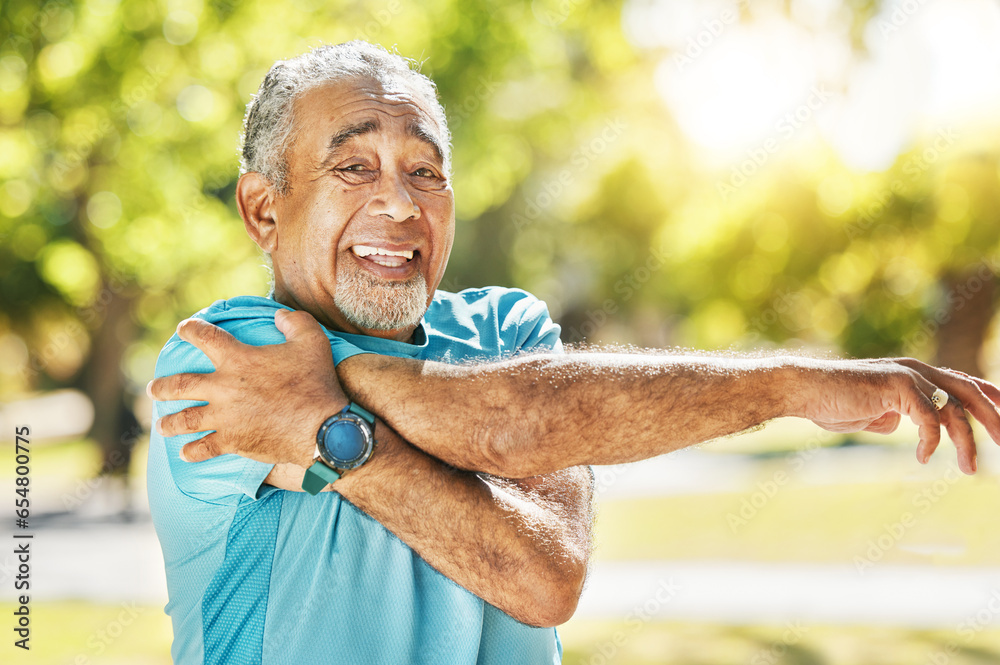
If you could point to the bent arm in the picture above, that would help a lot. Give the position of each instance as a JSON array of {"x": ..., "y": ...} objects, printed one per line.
[{"x": 521, "y": 546}]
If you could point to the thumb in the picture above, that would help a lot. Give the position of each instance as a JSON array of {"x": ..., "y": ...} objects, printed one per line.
[
  {"x": 297, "y": 325},
  {"x": 885, "y": 424}
]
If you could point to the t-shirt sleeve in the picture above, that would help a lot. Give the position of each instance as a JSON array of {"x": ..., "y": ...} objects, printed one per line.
[
  {"x": 527, "y": 319},
  {"x": 226, "y": 478}
]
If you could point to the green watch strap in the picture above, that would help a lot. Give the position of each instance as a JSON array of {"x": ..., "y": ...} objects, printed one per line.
[
  {"x": 360, "y": 411},
  {"x": 318, "y": 476}
]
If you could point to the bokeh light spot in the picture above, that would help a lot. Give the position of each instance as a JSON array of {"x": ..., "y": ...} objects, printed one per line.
[{"x": 104, "y": 209}]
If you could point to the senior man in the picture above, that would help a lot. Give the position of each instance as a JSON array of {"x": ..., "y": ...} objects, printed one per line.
[
  {"x": 352, "y": 204},
  {"x": 345, "y": 186}
]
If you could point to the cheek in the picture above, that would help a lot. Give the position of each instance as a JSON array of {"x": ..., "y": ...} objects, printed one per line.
[
  {"x": 324, "y": 227},
  {"x": 439, "y": 211}
]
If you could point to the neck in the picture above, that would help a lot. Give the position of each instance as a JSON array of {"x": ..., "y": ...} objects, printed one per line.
[{"x": 335, "y": 320}]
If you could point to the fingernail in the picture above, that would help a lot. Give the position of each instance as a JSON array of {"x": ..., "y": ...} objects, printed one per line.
[
  {"x": 975, "y": 464},
  {"x": 183, "y": 456},
  {"x": 149, "y": 390}
]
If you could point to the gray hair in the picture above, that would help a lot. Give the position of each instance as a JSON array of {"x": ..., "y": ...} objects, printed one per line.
[{"x": 268, "y": 127}]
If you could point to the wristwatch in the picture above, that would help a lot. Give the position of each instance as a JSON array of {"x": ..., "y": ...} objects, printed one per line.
[{"x": 344, "y": 441}]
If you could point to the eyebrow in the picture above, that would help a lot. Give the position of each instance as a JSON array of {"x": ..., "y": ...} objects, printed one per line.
[
  {"x": 420, "y": 131},
  {"x": 348, "y": 133},
  {"x": 415, "y": 128}
]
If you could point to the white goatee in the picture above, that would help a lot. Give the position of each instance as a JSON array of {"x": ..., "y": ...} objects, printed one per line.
[{"x": 371, "y": 303}]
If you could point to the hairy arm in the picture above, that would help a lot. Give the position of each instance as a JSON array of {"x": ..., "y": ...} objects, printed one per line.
[
  {"x": 519, "y": 545},
  {"x": 534, "y": 414},
  {"x": 531, "y": 415}
]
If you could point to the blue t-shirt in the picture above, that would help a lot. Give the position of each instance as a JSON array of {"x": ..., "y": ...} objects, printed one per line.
[{"x": 256, "y": 574}]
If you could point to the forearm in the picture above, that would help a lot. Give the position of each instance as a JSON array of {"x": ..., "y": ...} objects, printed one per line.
[
  {"x": 536, "y": 414},
  {"x": 520, "y": 551}
]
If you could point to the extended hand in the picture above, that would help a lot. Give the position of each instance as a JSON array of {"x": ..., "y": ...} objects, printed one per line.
[
  {"x": 264, "y": 402},
  {"x": 872, "y": 395}
]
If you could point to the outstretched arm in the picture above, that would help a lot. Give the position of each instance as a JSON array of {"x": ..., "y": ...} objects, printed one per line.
[{"x": 535, "y": 414}]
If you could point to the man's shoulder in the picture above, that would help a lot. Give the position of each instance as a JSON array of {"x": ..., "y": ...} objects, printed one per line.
[
  {"x": 239, "y": 308},
  {"x": 484, "y": 298},
  {"x": 514, "y": 318},
  {"x": 249, "y": 318}
]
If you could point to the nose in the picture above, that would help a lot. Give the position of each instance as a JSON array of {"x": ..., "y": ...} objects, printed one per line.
[{"x": 391, "y": 199}]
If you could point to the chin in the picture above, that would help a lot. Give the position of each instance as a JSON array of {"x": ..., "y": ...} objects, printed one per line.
[{"x": 373, "y": 304}]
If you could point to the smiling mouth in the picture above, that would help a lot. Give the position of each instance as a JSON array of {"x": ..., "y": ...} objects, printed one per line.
[{"x": 383, "y": 257}]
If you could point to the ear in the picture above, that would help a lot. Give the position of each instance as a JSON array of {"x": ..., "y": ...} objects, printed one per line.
[{"x": 255, "y": 200}]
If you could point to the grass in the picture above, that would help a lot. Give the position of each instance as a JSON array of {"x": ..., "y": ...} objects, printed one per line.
[
  {"x": 660, "y": 643},
  {"x": 83, "y": 633},
  {"x": 58, "y": 462},
  {"x": 79, "y": 633},
  {"x": 823, "y": 524}
]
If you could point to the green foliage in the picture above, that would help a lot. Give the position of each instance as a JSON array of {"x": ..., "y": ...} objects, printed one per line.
[{"x": 118, "y": 130}]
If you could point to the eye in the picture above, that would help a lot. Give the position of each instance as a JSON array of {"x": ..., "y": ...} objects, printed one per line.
[
  {"x": 425, "y": 173},
  {"x": 356, "y": 173}
]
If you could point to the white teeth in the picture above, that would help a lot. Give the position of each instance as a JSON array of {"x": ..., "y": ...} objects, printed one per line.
[{"x": 365, "y": 250}]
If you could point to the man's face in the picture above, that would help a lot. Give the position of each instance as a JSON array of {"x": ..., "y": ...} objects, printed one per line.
[{"x": 364, "y": 234}]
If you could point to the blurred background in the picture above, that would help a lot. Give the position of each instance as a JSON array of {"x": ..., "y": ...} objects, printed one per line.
[{"x": 821, "y": 176}]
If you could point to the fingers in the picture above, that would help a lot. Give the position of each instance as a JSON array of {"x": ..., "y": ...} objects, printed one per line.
[
  {"x": 980, "y": 398},
  {"x": 930, "y": 437},
  {"x": 970, "y": 394},
  {"x": 191, "y": 420},
  {"x": 178, "y": 386},
  {"x": 973, "y": 396},
  {"x": 929, "y": 421},
  {"x": 210, "y": 339},
  {"x": 921, "y": 411},
  {"x": 990, "y": 391},
  {"x": 954, "y": 420},
  {"x": 297, "y": 325},
  {"x": 204, "y": 448},
  {"x": 186, "y": 421}
]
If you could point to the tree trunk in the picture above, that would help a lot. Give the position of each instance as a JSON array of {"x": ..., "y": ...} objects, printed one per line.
[
  {"x": 115, "y": 427},
  {"x": 963, "y": 329}
]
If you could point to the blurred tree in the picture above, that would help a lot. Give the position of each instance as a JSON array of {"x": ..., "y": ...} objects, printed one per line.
[{"x": 118, "y": 129}]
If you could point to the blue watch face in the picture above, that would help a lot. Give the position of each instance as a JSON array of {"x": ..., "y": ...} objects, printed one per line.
[{"x": 345, "y": 442}]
